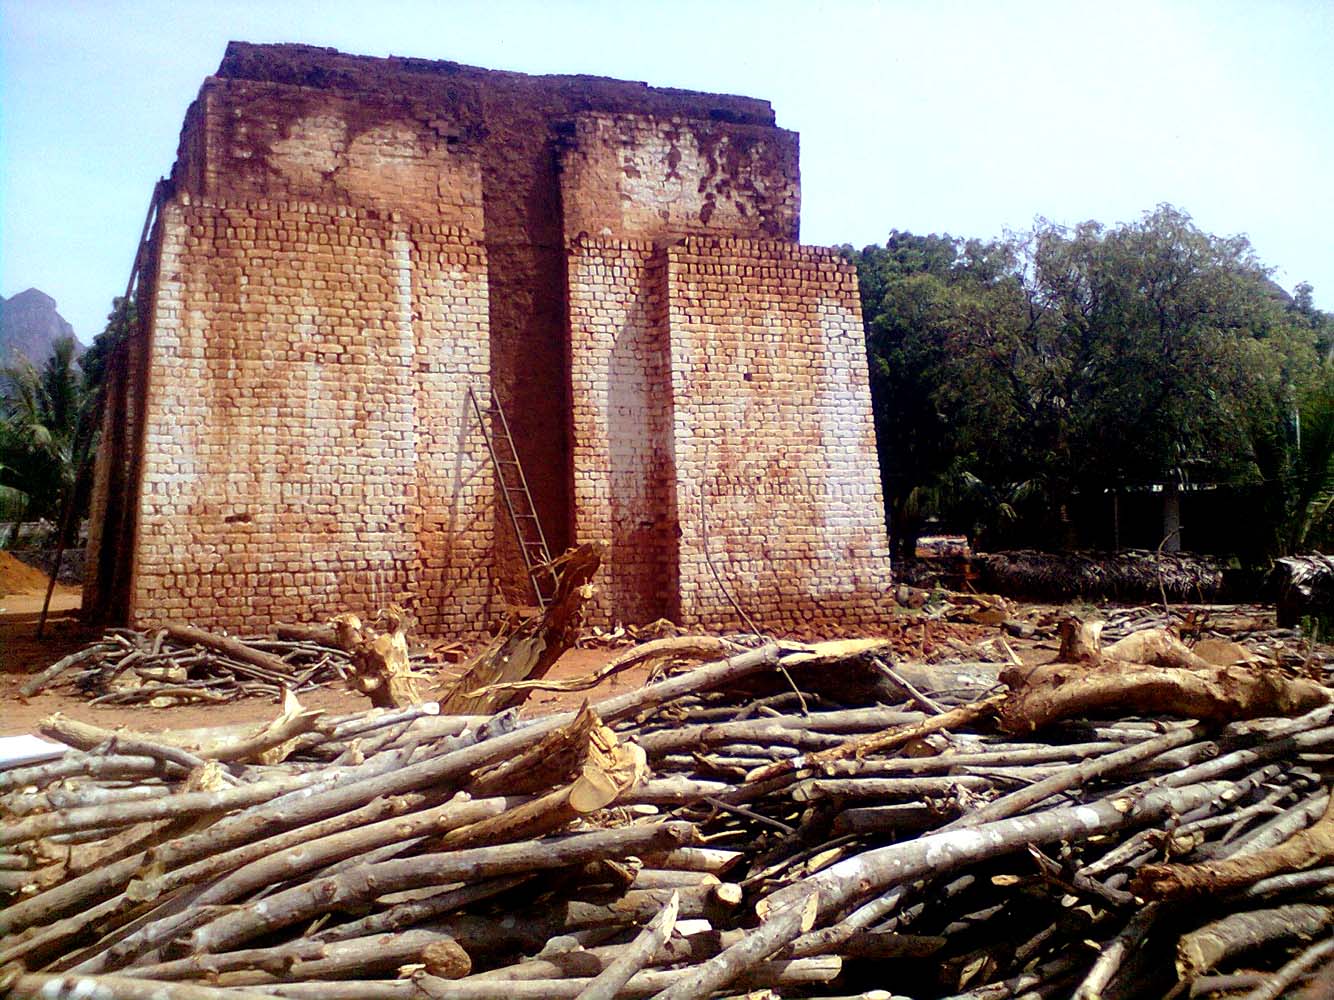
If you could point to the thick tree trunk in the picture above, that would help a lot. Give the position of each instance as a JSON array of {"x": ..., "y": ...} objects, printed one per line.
[{"x": 1087, "y": 682}]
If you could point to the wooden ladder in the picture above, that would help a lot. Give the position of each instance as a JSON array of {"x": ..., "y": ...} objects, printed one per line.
[{"x": 518, "y": 499}]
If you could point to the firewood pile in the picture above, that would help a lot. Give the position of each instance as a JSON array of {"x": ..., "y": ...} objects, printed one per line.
[
  {"x": 181, "y": 665},
  {"x": 1129, "y": 575},
  {"x": 787, "y": 821}
]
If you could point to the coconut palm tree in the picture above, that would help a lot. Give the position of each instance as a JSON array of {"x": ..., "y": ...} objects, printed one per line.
[
  {"x": 46, "y": 432},
  {"x": 1295, "y": 462}
]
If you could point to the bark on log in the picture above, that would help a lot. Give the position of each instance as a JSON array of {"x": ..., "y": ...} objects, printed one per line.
[
  {"x": 579, "y": 962},
  {"x": 1115, "y": 953},
  {"x": 362, "y": 884},
  {"x": 306, "y": 959},
  {"x": 643, "y": 984},
  {"x": 382, "y": 953},
  {"x": 35, "y": 684},
  {"x": 1206, "y": 948},
  {"x": 1088, "y": 682},
  {"x": 321, "y": 635},
  {"x": 758, "y": 731},
  {"x": 188, "y": 635},
  {"x": 1074, "y": 777},
  {"x": 735, "y": 962},
  {"x": 60, "y": 987},
  {"x": 88, "y": 765},
  {"x": 1312, "y": 958},
  {"x": 83, "y": 736},
  {"x": 126, "y": 813},
  {"x": 1306, "y": 849},
  {"x": 272, "y": 868},
  {"x": 872, "y": 743},
  {"x": 638, "y": 954},
  {"x": 879, "y": 869},
  {"x": 682, "y": 647},
  {"x": 886, "y": 789}
]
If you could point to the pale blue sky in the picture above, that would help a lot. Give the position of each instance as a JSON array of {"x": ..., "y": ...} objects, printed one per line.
[{"x": 966, "y": 117}]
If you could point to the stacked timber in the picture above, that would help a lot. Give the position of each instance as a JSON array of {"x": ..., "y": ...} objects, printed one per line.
[
  {"x": 180, "y": 664},
  {"x": 1128, "y": 575},
  {"x": 788, "y": 821}
]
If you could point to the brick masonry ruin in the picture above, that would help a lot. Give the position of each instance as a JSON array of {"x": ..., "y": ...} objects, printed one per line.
[{"x": 347, "y": 245}]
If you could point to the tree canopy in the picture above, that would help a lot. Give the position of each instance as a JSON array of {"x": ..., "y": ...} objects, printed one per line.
[
  {"x": 44, "y": 430},
  {"x": 1009, "y": 376},
  {"x": 49, "y": 419}
]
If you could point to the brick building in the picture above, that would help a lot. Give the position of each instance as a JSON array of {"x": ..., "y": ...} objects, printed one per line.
[{"x": 347, "y": 245}]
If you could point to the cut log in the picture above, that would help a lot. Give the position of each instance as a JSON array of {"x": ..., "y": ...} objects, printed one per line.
[
  {"x": 636, "y": 956},
  {"x": 1205, "y": 949},
  {"x": 1307, "y": 849},
  {"x": 1087, "y": 682},
  {"x": 532, "y": 649},
  {"x": 381, "y": 669}
]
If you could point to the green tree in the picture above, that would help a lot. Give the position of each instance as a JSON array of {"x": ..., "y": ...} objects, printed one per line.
[
  {"x": 1321, "y": 324},
  {"x": 914, "y": 290},
  {"x": 48, "y": 431},
  {"x": 122, "y": 319},
  {"x": 1294, "y": 457},
  {"x": 1067, "y": 361}
]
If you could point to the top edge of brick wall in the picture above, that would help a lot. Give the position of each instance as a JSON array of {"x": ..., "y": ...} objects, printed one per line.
[
  {"x": 618, "y": 118},
  {"x": 577, "y": 243},
  {"x": 710, "y": 246},
  {"x": 309, "y": 208}
]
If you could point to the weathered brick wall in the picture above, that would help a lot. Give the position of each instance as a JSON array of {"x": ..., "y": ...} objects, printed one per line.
[
  {"x": 774, "y": 448},
  {"x": 112, "y": 536},
  {"x": 294, "y": 467},
  {"x": 636, "y": 176},
  {"x": 621, "y": 401},
  {"x": 719, "y": 389},
  {"x": 353, "y": 243},
  {"x": 456, "y": 525},
  {"x": 513, "y": 121},
  {"x": 255, "y": 140}
]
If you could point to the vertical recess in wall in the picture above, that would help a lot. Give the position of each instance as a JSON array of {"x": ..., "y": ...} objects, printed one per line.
[{"x": 526, "y": 283}]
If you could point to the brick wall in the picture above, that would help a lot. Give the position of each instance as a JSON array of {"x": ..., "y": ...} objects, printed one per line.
[
  {"x": 512, "y": 121},
  {"x": 774, "y": 447},
  {"x": 621, "y": 392},
  {"x": 720, "y": 396},
  {"x": 637, "y": 176},
  {"x": 350, "y": 244},
  {"x": 456, "y": 526},
  {"x": 255, "y": 140},
  {"x": 291, "y": 469}
]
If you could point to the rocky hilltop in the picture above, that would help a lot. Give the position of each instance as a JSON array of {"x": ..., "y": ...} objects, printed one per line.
[{"x": 30, "y": 326}]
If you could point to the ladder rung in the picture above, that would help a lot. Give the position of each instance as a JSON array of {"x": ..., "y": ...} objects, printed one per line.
[{"x": 535, "y": 553}]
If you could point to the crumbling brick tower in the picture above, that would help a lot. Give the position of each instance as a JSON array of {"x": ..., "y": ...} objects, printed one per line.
[{"x": 347, "y": 245}]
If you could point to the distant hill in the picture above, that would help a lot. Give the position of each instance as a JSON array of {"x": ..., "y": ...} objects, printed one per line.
[{"x": 30, "y": 326}]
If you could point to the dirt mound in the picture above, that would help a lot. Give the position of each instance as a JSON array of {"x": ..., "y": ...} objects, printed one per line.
[{"x": 18, "y": 577}]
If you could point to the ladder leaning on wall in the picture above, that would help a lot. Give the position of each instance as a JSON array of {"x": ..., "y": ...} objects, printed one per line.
[{"x": 518, "y": 499}]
